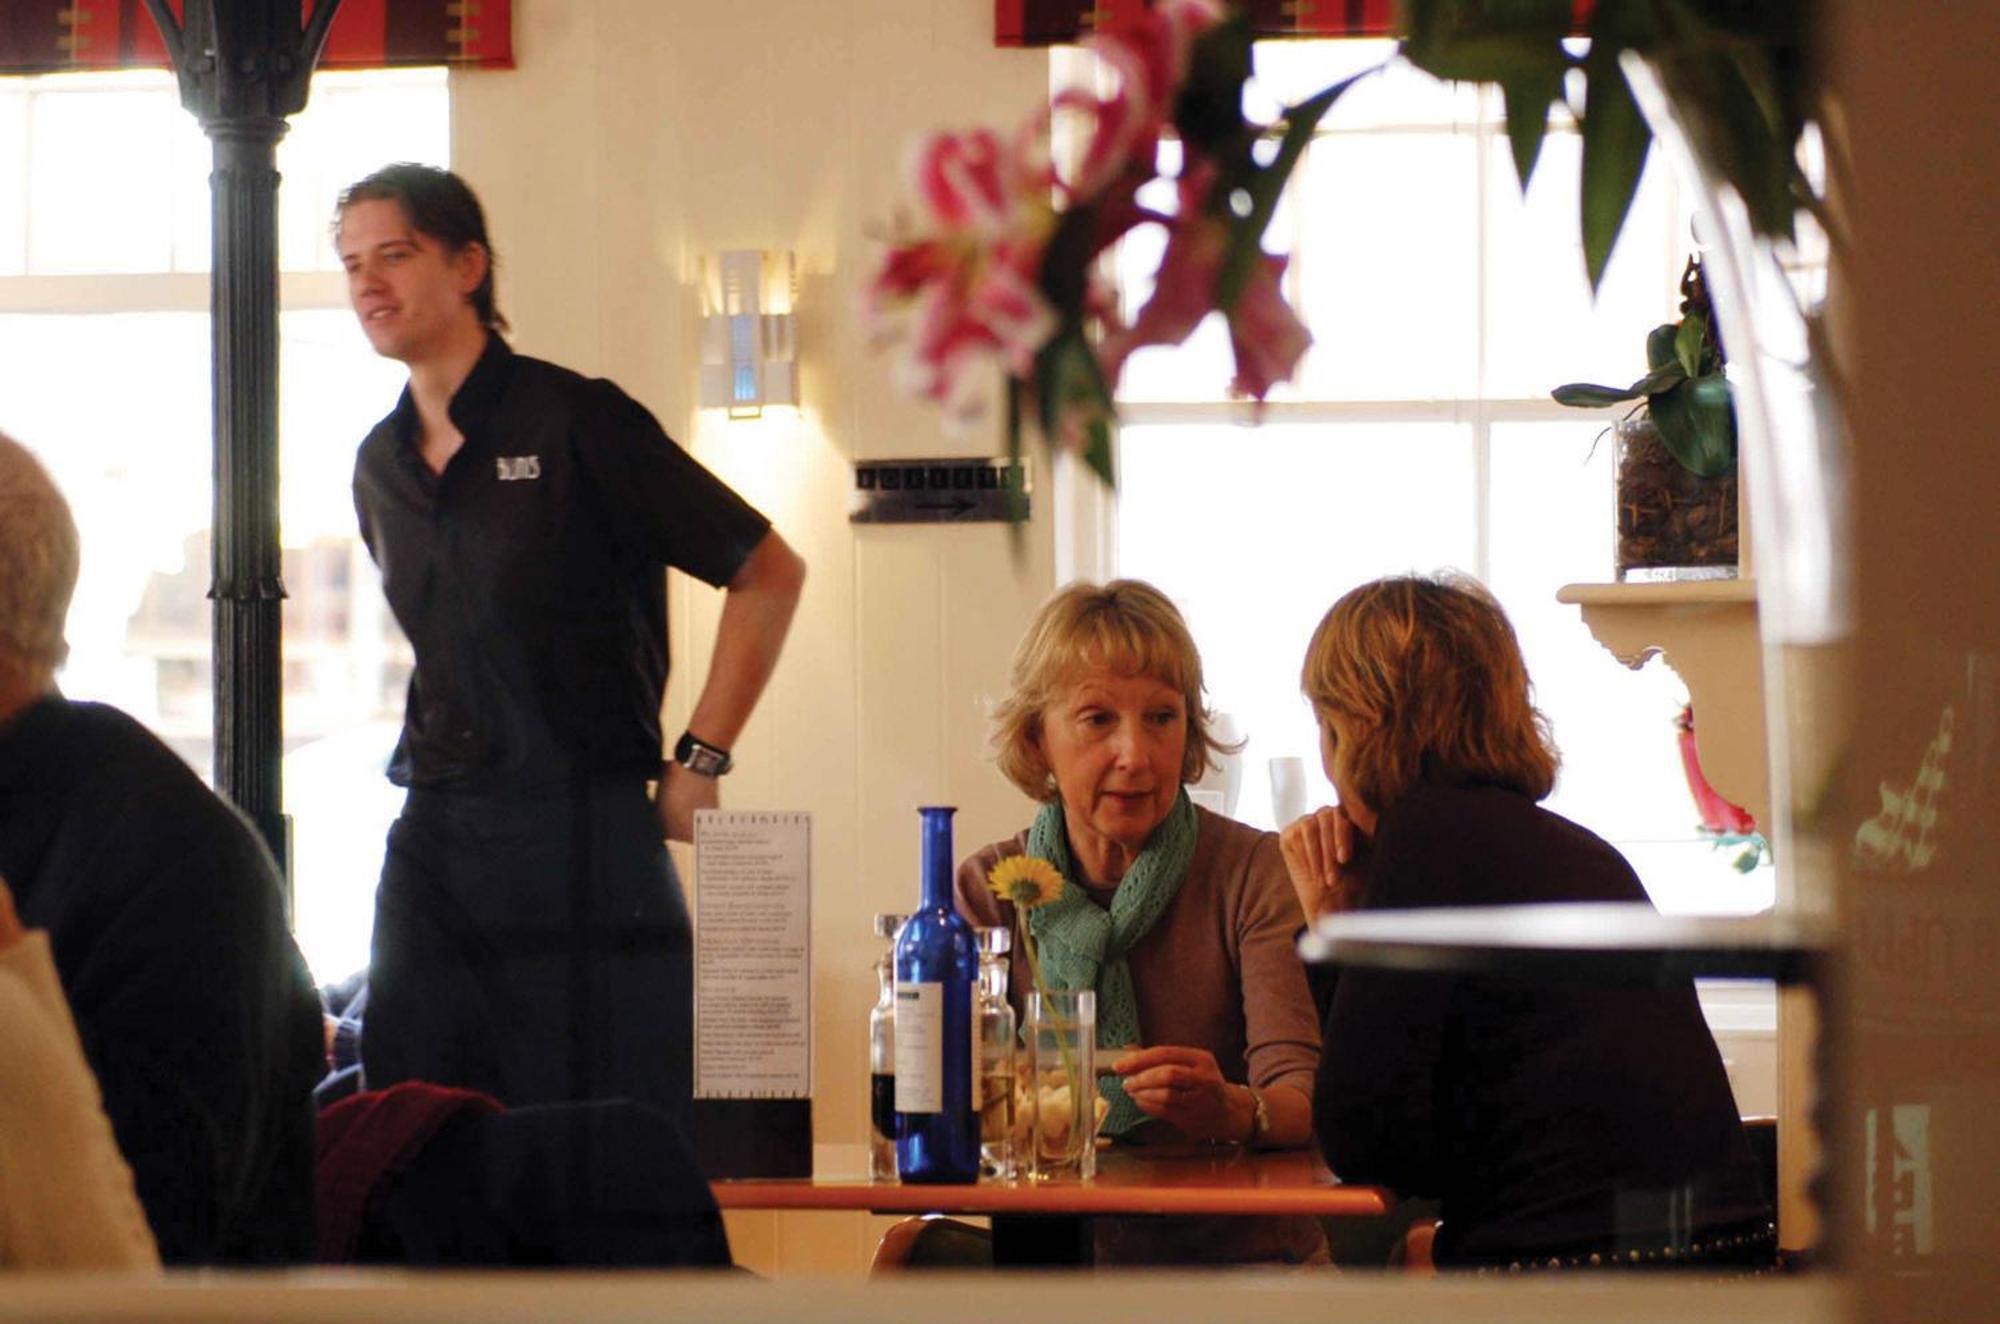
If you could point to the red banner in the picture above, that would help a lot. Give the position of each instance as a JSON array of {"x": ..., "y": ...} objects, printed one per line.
[
  {"x": 1054, "y": 22},
  {"x": 54, "y": 36},
  {"x": 1057, "y": 22}
]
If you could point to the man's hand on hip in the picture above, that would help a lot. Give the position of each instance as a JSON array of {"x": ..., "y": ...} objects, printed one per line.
[{"x": 681, "y": 794}]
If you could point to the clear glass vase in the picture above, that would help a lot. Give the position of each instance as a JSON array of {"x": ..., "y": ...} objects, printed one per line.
[
  {"x": 1793, "y": 454},
  {"x": 1059, "y": 1100},
  {"x": 1672, "y": 523}
]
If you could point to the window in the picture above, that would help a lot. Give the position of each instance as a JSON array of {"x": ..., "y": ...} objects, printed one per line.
[
  {"x": 104, "y": 254},
  {"x": 1419, "y": 435}
]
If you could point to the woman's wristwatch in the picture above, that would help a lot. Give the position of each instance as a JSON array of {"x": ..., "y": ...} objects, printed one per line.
[
  {"x": 700, "y": 757},
  {"x": 1260, "y": 1118}
]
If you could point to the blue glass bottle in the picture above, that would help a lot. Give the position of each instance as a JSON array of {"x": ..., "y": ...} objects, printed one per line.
[{"x": 937, "y": 970}]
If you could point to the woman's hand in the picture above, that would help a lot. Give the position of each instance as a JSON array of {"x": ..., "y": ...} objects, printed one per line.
[
  {"x": 1316, "y": 847},
  {"x": 1184, "y": 1087}
]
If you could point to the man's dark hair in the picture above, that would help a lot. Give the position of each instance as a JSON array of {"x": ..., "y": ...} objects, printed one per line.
[{"x": 439, "y": 204}]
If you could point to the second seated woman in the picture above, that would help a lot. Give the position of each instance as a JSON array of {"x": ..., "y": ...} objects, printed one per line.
[
  {"x": 1559, "y": 1124},
  {"x": 1180, "y": 919}
]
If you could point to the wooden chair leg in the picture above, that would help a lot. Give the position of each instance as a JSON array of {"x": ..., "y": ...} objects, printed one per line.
[{"x": 1414, "y": 1253}]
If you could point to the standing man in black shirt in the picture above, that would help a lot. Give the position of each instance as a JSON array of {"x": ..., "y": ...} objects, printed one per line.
[{"x": 531, "y": 939}]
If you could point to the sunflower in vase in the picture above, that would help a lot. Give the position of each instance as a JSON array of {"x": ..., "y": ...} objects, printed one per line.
[{"x": 1044, "y": 1108}]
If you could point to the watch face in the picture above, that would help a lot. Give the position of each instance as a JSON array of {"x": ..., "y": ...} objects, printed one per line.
[{"x": 696, "y": 757}]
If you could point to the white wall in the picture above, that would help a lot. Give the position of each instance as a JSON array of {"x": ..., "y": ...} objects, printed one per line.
[{"x": 637, "y": 136}]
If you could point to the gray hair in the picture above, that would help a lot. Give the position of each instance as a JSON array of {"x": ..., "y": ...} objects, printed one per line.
[{"x": 38, "y": 566}]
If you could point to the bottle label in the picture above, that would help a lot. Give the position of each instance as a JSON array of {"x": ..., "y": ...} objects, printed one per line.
[{"x": 919, "y": 1047}]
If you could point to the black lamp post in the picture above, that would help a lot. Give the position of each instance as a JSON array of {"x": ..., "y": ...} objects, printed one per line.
[{"x": 244, "y": 67}]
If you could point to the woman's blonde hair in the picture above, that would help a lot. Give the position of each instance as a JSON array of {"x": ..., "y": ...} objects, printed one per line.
[
  {"x": 1126, "y": 627},
  {"x": 1428, "y": 679}
]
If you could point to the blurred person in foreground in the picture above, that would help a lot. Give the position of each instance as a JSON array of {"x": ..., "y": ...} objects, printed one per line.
[
  {"x": 1561, "y": 1125},
  {"x": 66, "y": 1197},
  {"x": 1180, "y": 919},
  {"x": 166, "y": 917}
]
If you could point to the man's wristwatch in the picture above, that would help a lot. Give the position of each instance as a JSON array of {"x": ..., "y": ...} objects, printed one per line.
[{"x": 700, "y": 757}]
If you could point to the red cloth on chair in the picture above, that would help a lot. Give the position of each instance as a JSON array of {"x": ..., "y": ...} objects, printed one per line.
[{"x": 370, "y": 1137}]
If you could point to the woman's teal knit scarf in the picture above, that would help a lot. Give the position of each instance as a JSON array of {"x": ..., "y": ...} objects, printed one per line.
[{"x": 1082, "y": 946}]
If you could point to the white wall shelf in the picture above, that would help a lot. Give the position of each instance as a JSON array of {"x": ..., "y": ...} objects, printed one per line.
[{"x": 1707, "y": 632}]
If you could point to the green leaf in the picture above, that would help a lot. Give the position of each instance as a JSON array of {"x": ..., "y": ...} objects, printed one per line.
[
  {"x": 1246, "y": 233},
  {"x": 1097, "y": 450},
  {"x": 1054, "y": 374},
  {"x": 1528, "y": 96},
  {"x": 1208, "y": 112},
  {"x": 1660, "y": 343},
  {"x": 1688, "y": 343},
  {"x": 1068, "y": 378},
  {"x": 1665, "y": 377},
  {"x": 1713, "y": 410},
  {"x": 1589, "y": 395},
  {"x": 1698, "y": 425},
  {"x": 1485, "y": 41},
  {"x": 1065, "y": 271},
  {"x": 1615, "y": 143},
  {"x": 1515, "y": 43},
  {"x": 1016, "y": 388},
  {"x": 1741, "y": 81}
]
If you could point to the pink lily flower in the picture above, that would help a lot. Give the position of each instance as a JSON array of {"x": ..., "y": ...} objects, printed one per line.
[
  {"x": 1149, "y": 55},
  {"x": 964, "y": 295},
  {"x": 1266, "y": 335}
]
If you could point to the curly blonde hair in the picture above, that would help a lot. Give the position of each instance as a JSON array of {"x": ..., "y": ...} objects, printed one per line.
[
  {"x": 39, "y": 558},
  {"x": 1426, "y": 679},
  {"x": 1127, "y": 627}
]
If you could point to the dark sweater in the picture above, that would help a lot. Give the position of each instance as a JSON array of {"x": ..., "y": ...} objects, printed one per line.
[
  {"x": 167, "y": 919},
  {"x": 1548, "y": 1118}
]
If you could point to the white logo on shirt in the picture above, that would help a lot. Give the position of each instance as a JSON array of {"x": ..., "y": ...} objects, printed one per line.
[{"x": 516, "y": 467}]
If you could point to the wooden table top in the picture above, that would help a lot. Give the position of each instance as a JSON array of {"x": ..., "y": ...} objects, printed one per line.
[{"x": 1205, "y": 1179}]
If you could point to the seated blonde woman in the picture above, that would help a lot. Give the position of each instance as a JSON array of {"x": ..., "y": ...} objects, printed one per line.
[
  {"x": 1564, "y": 1125},
  {"x": 1180, "y": 919},
  {"x": 66, "y": 1196}
]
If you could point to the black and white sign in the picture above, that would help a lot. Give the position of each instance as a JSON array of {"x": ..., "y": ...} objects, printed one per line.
[{"x": 950, "y": 490}]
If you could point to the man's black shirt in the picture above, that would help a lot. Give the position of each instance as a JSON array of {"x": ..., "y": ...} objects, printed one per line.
[{"x": 529, "y": 574}]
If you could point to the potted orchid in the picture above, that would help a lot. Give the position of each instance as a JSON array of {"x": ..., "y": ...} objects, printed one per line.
[
  {"x": 1000, "y": 267},
  {"x": 1675, "y": 509}
]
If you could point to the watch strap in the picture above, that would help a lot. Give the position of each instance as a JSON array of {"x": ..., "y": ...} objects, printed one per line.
[
  {"x": 700, "y": 757},
  {"x": 1260, "y": 1118}
]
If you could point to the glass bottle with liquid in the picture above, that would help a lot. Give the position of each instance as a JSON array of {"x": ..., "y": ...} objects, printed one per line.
[
  {"x": 996, "y": 1055},
  {"x": 882, "y": 1057},
  {"x": 937, "y": 972}
]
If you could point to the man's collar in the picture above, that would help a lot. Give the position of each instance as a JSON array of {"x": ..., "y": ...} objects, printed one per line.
[
  {"x": 479, "y": 394},
  {"x": 475, "y": 400}
]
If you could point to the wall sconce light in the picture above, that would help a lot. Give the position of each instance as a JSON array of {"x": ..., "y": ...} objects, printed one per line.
[{"x": 749, "y": 336}]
